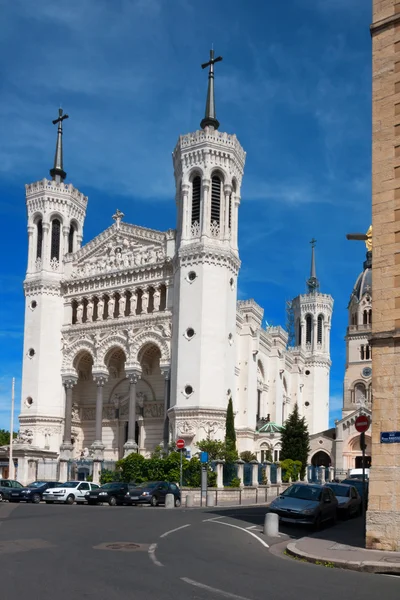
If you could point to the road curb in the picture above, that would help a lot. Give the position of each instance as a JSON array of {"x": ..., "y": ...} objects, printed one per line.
[{"x": 361, "y": 566}]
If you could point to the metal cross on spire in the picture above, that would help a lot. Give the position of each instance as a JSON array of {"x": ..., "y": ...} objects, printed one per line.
[
  {"x": 118, "y": 216},
  {"x": 210, "y": 119},
  {"x": 57, "y": 172},
  {"x": 312, "y": 282}
]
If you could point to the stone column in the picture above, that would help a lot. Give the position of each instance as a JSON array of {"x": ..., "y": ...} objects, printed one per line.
[
  {"x": 268, "y": 473},
  {"x": 64, "y": 249},
  {"x": 186, "y": 214},
  {"x": 322, "y": 474},
  {"x": 314, "y": 337},
  {"x": 131, "y": 445},
  {"x": 98, "y": 447},
  {"x": 279, "y": 475},
  {"x": 31, "y": 249},
  {"x": 303, "y": 333},
  {"x": 240, "y": 471},
  {"x": 219, "y": 467},
  {"x": 227, "y": 195},
  {"x": 66, "y": 449},
  {"x": 46, "y": 245},
  {"x": 254, "y": 473},
  {"x": 331, "y": 473},
  {"x": 205, "y": 209},
  {"x": 167, "y": 390},
  {"x": 235, "y": 218}
]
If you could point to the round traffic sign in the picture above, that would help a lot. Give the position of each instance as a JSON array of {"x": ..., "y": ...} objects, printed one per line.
[
  {"x": 362, "y": 423},
  {"x": 180, "y": 444}
]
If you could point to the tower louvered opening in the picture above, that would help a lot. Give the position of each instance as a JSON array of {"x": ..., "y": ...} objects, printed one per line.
[
  {"x": 215, "y": 200},
  {"x": 55, "y": 239},
  {"x": 308, "y": 329},
  {"x": 320, "y": 323},
  {"x": 196, "y": 199},
  {"x": 71, "y": 239},
  {"x": 39, "y": 240}
]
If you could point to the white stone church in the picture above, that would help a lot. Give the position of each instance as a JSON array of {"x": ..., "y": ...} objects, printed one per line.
[{"x": 136, "y": 338}]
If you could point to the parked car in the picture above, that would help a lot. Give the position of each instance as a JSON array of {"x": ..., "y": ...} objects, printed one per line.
[
  {"x": 154, "y": 492},
  {"x": 69, "y": 492},
  {"x": 32, "y": 492},
  {"x": 114, "y": 493},
  {"x": 358, "y": 484},
  {"x": 310, "y": 504},
  {"x": 350, "y": 503},
  {"x": 357, "y": 474},
  {"x": 7, "y": 486}
]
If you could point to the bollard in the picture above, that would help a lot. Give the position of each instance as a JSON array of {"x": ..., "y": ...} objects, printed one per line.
[
  {"x": 189, "y": 500},
  {"x": 210, "y": 499},
  {"x": 169, "y": 501},
  {"x": 271, "y": 525}
]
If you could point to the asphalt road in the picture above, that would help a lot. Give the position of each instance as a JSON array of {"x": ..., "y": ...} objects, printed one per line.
[{"x": 65, "y": 552}]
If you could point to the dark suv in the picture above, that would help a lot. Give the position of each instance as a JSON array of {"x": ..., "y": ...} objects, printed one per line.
[
  {"x": 114, "y": 493},
  {"x": 154, "y": 492},
  {"x": 7, "y": 486},
  {"x": 32, "y": 492}
]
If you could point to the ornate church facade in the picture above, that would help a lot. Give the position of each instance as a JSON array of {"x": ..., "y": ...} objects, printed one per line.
[{"x": 136, "y": 338}]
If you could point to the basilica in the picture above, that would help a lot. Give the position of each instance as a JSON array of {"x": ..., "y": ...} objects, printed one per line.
[{"x": 136, "y": 338}]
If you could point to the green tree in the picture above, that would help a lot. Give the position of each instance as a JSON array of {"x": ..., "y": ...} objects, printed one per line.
[
  {"x": 230, "y": 433},
  {"x": 5, "y": 437},
  {"x": 215, "y": 448},
  {"x": 290, "y": 469},
  {"x": 248, "y": 456},
  {"x": 295, "y": 439}
]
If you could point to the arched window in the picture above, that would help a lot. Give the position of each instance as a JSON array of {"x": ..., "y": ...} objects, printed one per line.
[
  {"x": 370, "y": 316},
  {"x": 71, "y": 238},
  {"x": 39, "y": 239},
  {"x": 360, "y": 393},
  {"x": 215, "y": 200},
  {"x": 362, "y": 353},
  {"x": 308, "y": 329},
  {"x": 55, "y": 239},
  {"x": 367, "y": 352},
  {"x": 298, "y": 332},
  {"x": 320, "y": 323},
  {"x": 196, "y": 200},
  {"x": 365, "y": 317}
]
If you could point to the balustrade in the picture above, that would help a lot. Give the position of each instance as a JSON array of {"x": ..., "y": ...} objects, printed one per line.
[{"x": 128, "y": 303}]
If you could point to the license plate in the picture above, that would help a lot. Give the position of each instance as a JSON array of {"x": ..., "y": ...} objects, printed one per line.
[
  {"x": 135, "y": 497},
  {"x": 15, "y": 494},
  {"x": 92, "y": 496}
]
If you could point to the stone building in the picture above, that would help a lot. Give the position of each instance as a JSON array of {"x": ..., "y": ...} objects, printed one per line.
[
  {"x": 340, "y": 445},
  {"x": 136, "y": 338}
]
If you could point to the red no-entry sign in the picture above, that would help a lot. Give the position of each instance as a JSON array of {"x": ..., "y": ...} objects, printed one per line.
[
  {"x": 362, "y": 423},
  {"x": 180, "y": 444}
]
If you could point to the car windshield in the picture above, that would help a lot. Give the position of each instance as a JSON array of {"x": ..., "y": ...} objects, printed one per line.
[
  {"x": 340, "y": 490},
  {"x": 70, "y": 484},
  {"x": 149, "y": 484},
  {"x": 110, "y": 486},
  {"x": 303, "y": 492},
  {"x": 36, "y": 484}
]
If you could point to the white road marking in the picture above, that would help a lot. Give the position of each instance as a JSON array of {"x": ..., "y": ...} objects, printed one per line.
[
  {"x": 213, "y": 519},
  {"x": 152, "y": 555},
  {"x": 172, "y": 530},
  {"x": 243, "y": 529},
  {"x": 252, "y": 527},
  {"x": 212, "y": 589}
]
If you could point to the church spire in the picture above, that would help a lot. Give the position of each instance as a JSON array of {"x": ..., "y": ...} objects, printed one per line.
[
  {"x": 57, "y": 172},
  {"x": 210, "y": 119},
  {"x": 312, "y": 282}
]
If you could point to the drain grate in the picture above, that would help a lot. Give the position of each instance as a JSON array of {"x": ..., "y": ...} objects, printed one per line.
[{"x": 122, "y": 547}]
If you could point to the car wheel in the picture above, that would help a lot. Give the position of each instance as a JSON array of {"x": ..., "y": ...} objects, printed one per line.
[
  {"x": 177, "y": 502},
  {"x": 36, "y": 498},
  {"x": 153, "y": 501},
  {"x": 70, "y": 499},
  {"x": 112, "y": 501},
  {"x": 1, "y": 497}
]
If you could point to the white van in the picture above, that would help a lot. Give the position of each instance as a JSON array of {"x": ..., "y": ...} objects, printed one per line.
[{"x": 357, "y": 473}]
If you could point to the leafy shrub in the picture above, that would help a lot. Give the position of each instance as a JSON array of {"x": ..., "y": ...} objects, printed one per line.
[
  {"x": 235, "y": 482},
  {"x": 290, "y": 469}
]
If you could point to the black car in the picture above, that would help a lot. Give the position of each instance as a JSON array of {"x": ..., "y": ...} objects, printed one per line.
[
  {"x": 114, "y": 493},
  {"x": 32, "y": 492},
  {"x": 154, "y": 492},
  {"x": 7, "y": 486}
]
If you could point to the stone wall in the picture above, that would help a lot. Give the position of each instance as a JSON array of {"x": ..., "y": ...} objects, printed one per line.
[{"x": 262, "y": 494}]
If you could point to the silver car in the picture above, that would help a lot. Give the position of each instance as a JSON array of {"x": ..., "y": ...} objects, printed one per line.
[
  {"x": 311, "y": 504},
  {"x": 349, "y": 499}
]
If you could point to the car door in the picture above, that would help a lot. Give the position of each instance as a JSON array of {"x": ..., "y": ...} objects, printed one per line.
[
  {"x": 327, "y": 505},
  {"x": 355, "y": 501},
  {"x": 5, "y": 486},
  {"x": 162, "y": 491},
  {"x": 81, "y": 490},
  {"x": 173, "y": 489},
  {"x": 122, "y": 490}
]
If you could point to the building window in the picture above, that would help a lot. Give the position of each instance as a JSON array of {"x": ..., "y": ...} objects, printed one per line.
[
  {"x": 215, "y": 200},
  {"x": 370, "y": 316},
  {"x": 365, "y": 317},
  {"x": 276, "y": 455},
  {"x": 39, "y": 240},
  {"x": 320, "y": 322},
  {"x": 308, "y": 329},
  {"x": 360, "y": 393},
  {"x": 362, "y": 352},
  {"x": 71, "y": 239},
  {"x": 196, "y": 200},
  {"x": 55, "y": 239},
  {"x": 367, "y": 352},
  {"x": 298, "y": 332}
]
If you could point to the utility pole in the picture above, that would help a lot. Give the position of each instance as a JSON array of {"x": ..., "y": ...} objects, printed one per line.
[{"x": 11, "y": 474}]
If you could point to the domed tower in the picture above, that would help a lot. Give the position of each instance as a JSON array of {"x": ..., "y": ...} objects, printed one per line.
[
  {"x": 208, "y": 169},
  {"x": 358, "y": 376},
  {"x": 56, "y": 213},
  {"x": 312, "y": 317}
]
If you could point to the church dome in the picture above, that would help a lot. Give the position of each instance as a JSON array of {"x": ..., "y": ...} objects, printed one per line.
[{"x": 363, "y": 284}]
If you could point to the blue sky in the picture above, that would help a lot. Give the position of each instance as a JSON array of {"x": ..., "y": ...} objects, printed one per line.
[{"x": 294, "y": 85}]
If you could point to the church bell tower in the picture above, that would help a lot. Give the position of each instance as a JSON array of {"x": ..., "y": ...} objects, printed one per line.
[
  {"x": 208, "y": 168},
  {"x": 56, "y": 213}
]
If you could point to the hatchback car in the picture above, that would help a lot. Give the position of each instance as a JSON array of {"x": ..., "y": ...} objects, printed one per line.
[
  {"x": 32, "y": 492},
  {"x": 349, "y": 499},
  {"x": 308, "y": 504},
  {"x": 7, "y": 486},
  {"x": 114, "y": 493},
  {"x": 154, "y": 492},
  {"x": 69, "y": 492}
]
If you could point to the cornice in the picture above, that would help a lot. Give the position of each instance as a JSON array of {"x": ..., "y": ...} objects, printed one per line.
[
  {"x": 119, "y": 325},
  {"x": 36, "y": 286},
  {"x": 196, "y": 254},
  {"x": 37, "y": 419},
  {"x": 383, "y": 24},
  {"x": 192, "y": 411}
]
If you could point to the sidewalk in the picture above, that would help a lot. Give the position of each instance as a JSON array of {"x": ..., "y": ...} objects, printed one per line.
[{"x": 343, "y": 547}]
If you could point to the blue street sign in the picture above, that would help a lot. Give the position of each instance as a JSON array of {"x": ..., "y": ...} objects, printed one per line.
[
  {"x": 204, "y": 457},
  {"x": 390, "y": 437},
  {"x": 188, "y": 454}
]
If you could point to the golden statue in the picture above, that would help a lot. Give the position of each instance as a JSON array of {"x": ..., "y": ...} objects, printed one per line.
[
  {"x": 366, "y": 237},
  {"x": 368, "y": 241}
]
